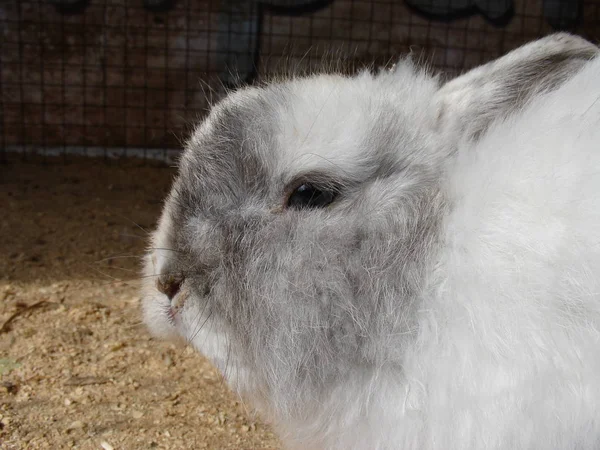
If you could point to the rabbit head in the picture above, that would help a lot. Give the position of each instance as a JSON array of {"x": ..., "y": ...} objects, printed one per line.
[{"x": 295, "y": 246}]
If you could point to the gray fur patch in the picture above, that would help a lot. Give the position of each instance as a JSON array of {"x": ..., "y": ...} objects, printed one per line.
[{"x": 305, "y": 299}]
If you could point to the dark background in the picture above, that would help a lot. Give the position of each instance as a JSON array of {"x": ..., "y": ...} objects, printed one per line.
[{"x": 116, "y": 76}]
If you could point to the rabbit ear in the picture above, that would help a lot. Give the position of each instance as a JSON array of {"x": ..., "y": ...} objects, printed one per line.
[{"x": 467, "y": 105}]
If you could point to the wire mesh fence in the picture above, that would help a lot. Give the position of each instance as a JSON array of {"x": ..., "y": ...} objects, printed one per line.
[{"x": 130, "y": 77}]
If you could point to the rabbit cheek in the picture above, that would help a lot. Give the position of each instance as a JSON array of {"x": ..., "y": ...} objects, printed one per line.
[{"x": 286, "y": 303}]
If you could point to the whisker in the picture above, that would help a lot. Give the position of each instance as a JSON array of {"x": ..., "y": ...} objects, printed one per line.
[
  {"x": 129, "y": 220},
  {"x": 133, "y": 326},
  {"x": 318, "y": 115},
  {"x": 227, "y": 359},
  {"x": 209, "y": 329},
  {"x": 167, "y": 250},
  {"x": 330, "y": 162},
  {"x": 100, "y": 283},
  {"x": 198, "y": 316},
  {"x": 108, "y": 266},
  {"x": 110, "y": 258},
  {"x": 128, "y": 280},
  {"x": 133, "y": 236},
  {"x": 102, "y": 273},
  {"x": 591, "y": 106},
  {"x": 186, "y": 345},
  {"x": 190, "y": 340}
]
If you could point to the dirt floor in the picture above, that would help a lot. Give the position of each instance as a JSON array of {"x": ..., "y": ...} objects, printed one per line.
[{"x": 77, "y": 367}]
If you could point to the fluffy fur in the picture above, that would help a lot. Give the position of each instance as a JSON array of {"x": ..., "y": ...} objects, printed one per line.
[{"x": 448, "y": 299}]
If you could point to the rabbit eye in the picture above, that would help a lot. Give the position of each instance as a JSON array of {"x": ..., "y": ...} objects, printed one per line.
[{"x": 309, "y": 196}]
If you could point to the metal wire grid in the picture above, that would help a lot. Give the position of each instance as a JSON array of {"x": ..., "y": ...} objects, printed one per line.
[{"x": 120, "y": 80}]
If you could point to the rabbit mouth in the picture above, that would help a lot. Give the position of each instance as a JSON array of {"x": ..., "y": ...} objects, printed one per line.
[
  {"x": 171, "y": 318},
  {"x": 178, "y": 301},
  {"x": 175, "y": 309}
]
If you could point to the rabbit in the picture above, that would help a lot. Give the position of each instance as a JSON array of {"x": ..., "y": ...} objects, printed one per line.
[{"x": 393, "y": 262}]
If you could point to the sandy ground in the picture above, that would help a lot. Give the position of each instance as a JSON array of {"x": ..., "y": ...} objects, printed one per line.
[{"x": 77, "y": 367}]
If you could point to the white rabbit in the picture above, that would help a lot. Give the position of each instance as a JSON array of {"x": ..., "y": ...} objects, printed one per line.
[{"x": 381, "y": 262}]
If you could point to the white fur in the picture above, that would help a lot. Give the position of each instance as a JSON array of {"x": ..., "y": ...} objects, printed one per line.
[
  {"x": 508, "y": 355},
  {"x": 329, "y": 121}
]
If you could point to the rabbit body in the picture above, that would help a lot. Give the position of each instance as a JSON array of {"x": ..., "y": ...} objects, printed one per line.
[{"x": 448, "y": 298}]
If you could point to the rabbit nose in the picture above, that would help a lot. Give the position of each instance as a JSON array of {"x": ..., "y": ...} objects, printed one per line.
[{"x": 169, "y": 285}]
